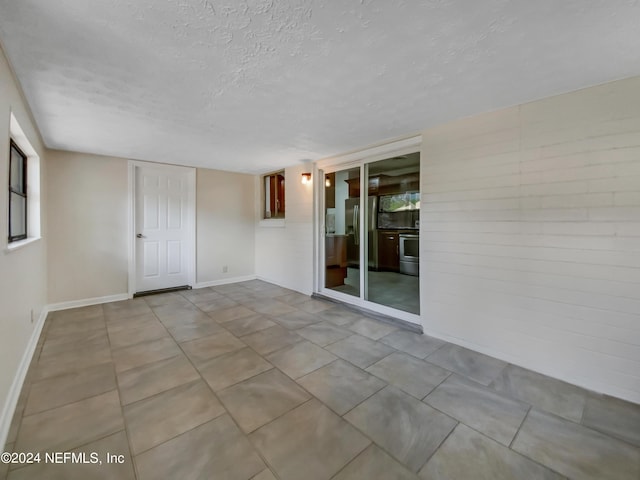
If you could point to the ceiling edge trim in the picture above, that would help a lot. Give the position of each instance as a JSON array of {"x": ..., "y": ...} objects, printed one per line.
[{"x": 371, "y": 153}]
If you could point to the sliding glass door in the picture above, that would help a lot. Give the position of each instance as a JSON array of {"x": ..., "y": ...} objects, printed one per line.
[
  {"x": 371, "y": 217},
  {"x": 393, "y": 276},
  {"x": 342, "y": 244}
]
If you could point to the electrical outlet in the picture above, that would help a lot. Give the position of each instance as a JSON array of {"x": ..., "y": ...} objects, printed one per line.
[
  {"x": 225, "y": 269},
  {"x": 32, "y": 315}
]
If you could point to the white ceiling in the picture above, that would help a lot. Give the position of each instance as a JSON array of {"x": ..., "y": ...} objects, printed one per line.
[{"x": 255, "y": 85}]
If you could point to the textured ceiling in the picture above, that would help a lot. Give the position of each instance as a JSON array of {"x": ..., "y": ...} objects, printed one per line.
[{"x": 254, "y": 85}]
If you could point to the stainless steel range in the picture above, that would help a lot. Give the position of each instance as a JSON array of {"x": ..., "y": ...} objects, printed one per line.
[{"x": 410, "y": 254}]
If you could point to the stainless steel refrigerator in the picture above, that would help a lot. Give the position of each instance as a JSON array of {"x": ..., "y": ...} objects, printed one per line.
[{"x": 352, "y": 213}]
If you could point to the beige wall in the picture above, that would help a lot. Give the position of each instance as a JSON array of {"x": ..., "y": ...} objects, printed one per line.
[
  {"x": 23, "y": 286},
  {"x": 87, "y": 210},
  {"x": 530, "y": 235},
  {"x": 225, "y": 225},
  {"x": 284, "y": 255}
]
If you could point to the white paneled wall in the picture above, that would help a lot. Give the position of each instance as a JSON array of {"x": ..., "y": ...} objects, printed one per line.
[
  {"x": 530, "y": 230},
  {"x": 284, "y": 254}
]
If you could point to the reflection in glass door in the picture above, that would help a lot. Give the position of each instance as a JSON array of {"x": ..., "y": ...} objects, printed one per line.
[
  {"x": 372, "y": 237},
  {"x": 393, "y": 276},
  {"x": 342, "y": 231}
]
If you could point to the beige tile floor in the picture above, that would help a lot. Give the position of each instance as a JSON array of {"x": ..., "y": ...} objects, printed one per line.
[{"x": 253, "y": 381}]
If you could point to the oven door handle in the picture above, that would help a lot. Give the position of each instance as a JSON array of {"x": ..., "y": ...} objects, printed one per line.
[{"x": 356, "y": 224}]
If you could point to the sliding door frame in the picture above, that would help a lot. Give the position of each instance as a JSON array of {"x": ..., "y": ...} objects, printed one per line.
[{"x": 360, "y": 159}]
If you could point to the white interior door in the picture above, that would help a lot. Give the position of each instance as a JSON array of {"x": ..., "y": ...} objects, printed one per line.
[{"x": 163, "y": 228}]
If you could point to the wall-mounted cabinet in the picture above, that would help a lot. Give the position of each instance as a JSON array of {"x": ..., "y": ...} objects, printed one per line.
[{"x": 386, "y": 184}]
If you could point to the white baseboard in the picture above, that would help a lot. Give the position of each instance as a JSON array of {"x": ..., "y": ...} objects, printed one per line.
[
  {"x": 18, "y": 380},
  {"x": 225, "y": 281},
  {"x": 279, "y": 284},
  {"x": 85, "y": 302}
]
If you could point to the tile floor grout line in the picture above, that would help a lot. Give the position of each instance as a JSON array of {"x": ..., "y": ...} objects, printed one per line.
[
  {"x": 493, "y": 440},
  {"x": 513, "y": 440},
  {"x": 371, "y": 443},
  {"x": 277, "y": 368},
  {"x": 439, "y": 445},
  {"x": 434, "y": 388},
  {"x": 310, "y": 399},
  {"x": 135, "y": 465},
  {"x": 498, "y": 376},
  {"x": 420, "y": 399},
  {"x": 479, "y": 432},
  {"x": 311, "y": 395},
  {"x": 587, "y": 427},
  {"x": 314, "y": 396},
  {"x": 228, "y": 354},
  {"x": 75, "y": 401},
  {"x": 226, "y": 410},
  {"x": 76, "y": 447},
  {"x": 127, "y": 434},
  {"x": 436, "y": 350},
  {"x": 142, "y": 452},
  {"x": 157, "y": 394},
  {"x": 21, "y": 415},
  {"x": 253, "y": 445},
  {"x": 239, "y": 381},
  {"x": 118, "y": 389},
  {"x": 360, "y": 403},
  {"x": 443, "y": 413},
  {"x": 339, "y": 340},
  {"x": 275, "y": 351},
  {"x": 475, "y": 429},
  {"x": 322, "y": 402},
  {"x": 522, "y": 455}
]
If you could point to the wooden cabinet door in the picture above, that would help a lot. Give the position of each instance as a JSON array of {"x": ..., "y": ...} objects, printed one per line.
[{"x": 389, "y": 251}]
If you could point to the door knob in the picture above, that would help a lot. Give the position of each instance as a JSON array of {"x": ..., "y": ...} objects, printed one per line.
[{"x": 139, "y": 235}]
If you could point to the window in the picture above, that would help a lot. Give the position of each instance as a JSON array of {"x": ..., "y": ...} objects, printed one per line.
[
  {"x": 24, "y": 189},
  {"x": 17, "y": 194},
  {"x": 273, "y": 195}
]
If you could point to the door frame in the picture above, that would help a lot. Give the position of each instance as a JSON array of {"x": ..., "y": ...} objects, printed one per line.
[
  {"x": 191, "y": 218},
  {"x": 356, "y": 159}
]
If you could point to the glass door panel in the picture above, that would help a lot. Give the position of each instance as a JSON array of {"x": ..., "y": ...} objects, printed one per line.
[
  {"x": 392, "y": 277},
  {"x": 342, "y": 231}
]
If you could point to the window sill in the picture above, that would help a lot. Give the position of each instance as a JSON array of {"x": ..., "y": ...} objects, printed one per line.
[
  {"x": 21, "y": 243},
  {"x": 272, "y": 223}
]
